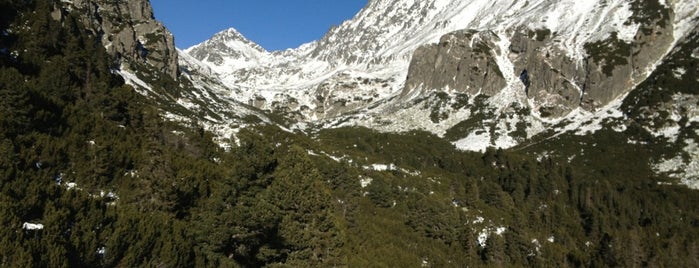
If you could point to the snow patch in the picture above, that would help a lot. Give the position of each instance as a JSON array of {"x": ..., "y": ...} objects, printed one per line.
[
  {"x": 131, "y": 173},
  {"x": 683, "y": 106},
  {"x": 188, "y": 104},
  {"x": 669, "y": 132},
  {"x": 537, "y": 247},
  {"x": 476, "y": 141},
  {"x": 380, "y": 167},
  {"x": 71, "y": 186},
  {"x": 390, "y": 167},
  {"x": 110, "y": 195},
  {"x": 486, "y": 232},
  {"x": 101, "y": 251},
  {"x": 679, "y": 167},
  {"x": 133, "y": 80},
  {"x": 679, "y": 72},
  {"x": 32, "y": 226},
  {"x": 365, "y": 181},
  {"x": 583, "y": 123}
]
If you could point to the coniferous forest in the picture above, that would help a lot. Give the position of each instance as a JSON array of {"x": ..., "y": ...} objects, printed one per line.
[{"x": 113, "y": 184}]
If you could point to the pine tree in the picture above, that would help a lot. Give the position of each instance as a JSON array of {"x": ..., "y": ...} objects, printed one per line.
[
  {"x": 494, "y": 252},
  {"x": 308, "y": 224},
  {"x": 14, "y": 106}
]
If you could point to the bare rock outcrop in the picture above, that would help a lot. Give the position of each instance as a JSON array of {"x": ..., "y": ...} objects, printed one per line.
[
  {"x": 462, "y": 61},
  {"x": 128, "y": 31}
]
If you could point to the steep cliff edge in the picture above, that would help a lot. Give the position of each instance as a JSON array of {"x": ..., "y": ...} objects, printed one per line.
[{"x": 129, "y": 32}]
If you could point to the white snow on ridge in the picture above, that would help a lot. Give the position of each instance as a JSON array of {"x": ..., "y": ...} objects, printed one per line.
[
  {"x": 381, "y": 38},
  {"x": 236, "y": 52}
]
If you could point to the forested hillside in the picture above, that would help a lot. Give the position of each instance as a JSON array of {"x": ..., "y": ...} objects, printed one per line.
[{"x": 92, "y": 176}]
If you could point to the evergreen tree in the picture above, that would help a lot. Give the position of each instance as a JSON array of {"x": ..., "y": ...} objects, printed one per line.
[
  {"x": 308, "y": 224},
  {"x": 494, "y": 251},
  {"x": 14, "y": 106}
]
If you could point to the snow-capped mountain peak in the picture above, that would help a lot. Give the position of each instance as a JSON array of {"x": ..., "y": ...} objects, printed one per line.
[{"x": 228, "y": 50}]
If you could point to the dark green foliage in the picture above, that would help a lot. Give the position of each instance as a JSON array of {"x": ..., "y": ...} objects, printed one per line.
[
  {"x": 439, "y": 102},
  {"x": 540, "y": 34},
  {"x": 479, "y": 112},
  {"x": 649, "y": 11},
  {"x": 609, "y": 53},
  {"x": 438, "y": 114}
]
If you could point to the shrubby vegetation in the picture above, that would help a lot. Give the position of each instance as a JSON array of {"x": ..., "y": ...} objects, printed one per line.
[
  {"x": 609, "y": 53},
  {"x": 649, "y": 13},
  {"x": 287, "y": 199}
]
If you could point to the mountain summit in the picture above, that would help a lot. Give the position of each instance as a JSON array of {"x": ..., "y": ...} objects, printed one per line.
[{"x": 229, "y": 50}]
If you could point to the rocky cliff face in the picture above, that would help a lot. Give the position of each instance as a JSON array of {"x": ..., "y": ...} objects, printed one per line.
[
  {"x": 128, "y": 31},
  {"x": 555, "y": 80},
  {"x": 462, "y": 61},
  {"x": 611, "y": 67}
]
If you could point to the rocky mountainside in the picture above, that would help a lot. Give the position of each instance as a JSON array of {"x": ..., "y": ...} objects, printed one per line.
[
  {"x": 229, "y": 50},
  {"x": 562, "y": 44},
  {"x": 577, "y": 55},
  {"x": 128, "y": 31},
  {"x": 381, "y": 40},
  {"x": 477, "y": 73},
  {"x": 147, "y": 58}
]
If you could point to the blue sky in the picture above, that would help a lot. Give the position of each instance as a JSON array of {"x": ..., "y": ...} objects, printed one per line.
[{"x": 274, "y": 24}]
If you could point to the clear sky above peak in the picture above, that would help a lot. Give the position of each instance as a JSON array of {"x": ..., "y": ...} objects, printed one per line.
[{"x": 273, "y": 24}]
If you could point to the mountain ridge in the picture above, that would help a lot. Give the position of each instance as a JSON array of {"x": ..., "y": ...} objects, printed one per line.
[
  {"x": 299, "y": 73},
  {"x": 304, "y": 68},
  {"x": 583, "y": 59}
]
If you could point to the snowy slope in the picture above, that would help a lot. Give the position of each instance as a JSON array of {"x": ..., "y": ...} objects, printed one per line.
[
  {"x": 354, "y": 73},
  {"x": 379, "y": 41}
]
